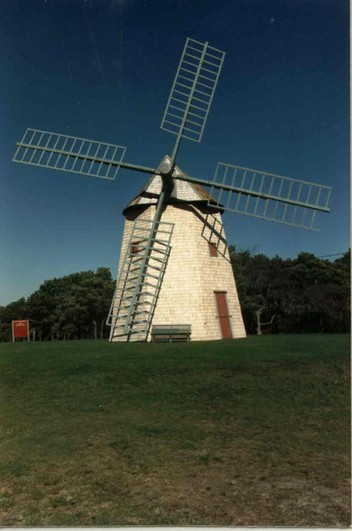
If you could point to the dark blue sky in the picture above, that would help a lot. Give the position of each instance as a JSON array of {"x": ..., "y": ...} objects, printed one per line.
[{"x": 103, "y": 69}]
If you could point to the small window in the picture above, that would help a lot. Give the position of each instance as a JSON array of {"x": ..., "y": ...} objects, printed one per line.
[
  {"x": 135, "y": 247},
  {"x": 213, "y": 251}
]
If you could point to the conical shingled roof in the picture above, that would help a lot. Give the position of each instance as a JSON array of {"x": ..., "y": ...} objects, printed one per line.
[{"x": 183, "y": 191}]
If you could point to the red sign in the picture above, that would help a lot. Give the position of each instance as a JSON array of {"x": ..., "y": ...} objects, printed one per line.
[{"x": 20, "y": 329}]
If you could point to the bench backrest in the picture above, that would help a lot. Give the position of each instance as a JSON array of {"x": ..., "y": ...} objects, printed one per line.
[{"x": 171, "y": 329}]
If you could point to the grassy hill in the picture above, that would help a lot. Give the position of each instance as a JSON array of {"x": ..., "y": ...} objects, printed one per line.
[{"x": 250, "y": 432}]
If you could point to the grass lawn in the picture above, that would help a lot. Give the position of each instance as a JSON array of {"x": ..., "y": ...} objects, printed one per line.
[{"x": 251, "y": 432}]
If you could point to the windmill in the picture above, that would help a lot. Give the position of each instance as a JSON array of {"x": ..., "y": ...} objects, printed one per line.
[{"x": 174, "y": 263}]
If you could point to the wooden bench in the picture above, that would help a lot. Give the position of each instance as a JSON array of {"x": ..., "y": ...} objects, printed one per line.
[{"x": 170, "y": 333}]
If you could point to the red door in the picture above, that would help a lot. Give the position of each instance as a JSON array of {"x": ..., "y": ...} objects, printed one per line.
[{"x": 223, "y": 314}]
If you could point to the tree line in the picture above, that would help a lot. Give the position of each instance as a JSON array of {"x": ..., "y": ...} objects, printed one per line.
[
  {"x": 305, "y": 294},
  {"x": 71, "y": 307}
]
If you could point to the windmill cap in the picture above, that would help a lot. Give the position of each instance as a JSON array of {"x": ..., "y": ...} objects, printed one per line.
[{"x": 183, "y": 191}]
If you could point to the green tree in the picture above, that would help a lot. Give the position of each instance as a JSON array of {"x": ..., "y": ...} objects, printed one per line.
[
  {"x": 256, "y": 287},
  {"x": 306, "y": 294},
  {"x": 70, "y": 307}
]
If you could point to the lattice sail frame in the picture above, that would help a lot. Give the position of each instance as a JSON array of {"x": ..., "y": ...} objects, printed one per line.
[
  {"x": 193, "y": 89},
  {"x": 69, "y": 153},
  {"x": 268, "y": 196}
]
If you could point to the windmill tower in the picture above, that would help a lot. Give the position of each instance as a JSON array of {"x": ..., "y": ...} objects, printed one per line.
[
  {"x": 174, "y": 265},
  {"x": 189, "y": 277}
]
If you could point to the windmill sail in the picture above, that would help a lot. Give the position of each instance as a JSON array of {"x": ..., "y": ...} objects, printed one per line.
[
  {"x": 69, "y": 154},
  {"x": 265, "y": 195},
  {"x": 192, "y": 91},
  {"x": 268, "y": 196}
]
